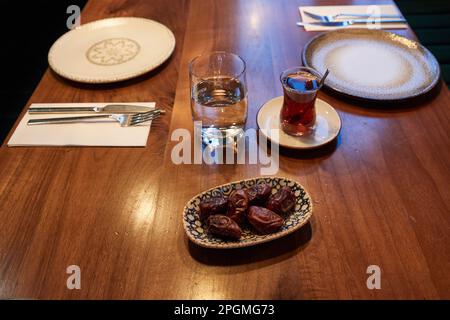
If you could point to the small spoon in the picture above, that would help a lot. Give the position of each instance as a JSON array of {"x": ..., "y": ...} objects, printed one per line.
[{"x": 323, "y": 78}]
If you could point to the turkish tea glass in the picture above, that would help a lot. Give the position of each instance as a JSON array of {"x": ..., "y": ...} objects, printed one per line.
[{"x": 300, "y": 87}]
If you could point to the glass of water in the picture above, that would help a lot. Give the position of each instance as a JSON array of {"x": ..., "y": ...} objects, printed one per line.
[{"x": 219, "y": 96}]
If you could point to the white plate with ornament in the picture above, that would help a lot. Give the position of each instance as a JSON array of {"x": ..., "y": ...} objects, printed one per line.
[{"x": 111, "y": 50}]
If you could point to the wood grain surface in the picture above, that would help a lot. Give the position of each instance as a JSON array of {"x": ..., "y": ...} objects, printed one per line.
[{"x": 380, "y": 192}]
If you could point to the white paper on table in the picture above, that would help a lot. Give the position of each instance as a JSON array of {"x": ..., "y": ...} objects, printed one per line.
[
  {"x": 363, "y": 9},
  {"x": 101, "y": 132}
]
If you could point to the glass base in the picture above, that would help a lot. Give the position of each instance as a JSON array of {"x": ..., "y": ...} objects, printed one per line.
[
  {"x": 215, "y": 137},
  {"x": 298, "y": 130}
]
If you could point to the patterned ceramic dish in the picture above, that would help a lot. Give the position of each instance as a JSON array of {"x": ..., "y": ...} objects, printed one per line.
[
  {"x": 196, "y": 232},
  {"x": 373, "y": 64}
]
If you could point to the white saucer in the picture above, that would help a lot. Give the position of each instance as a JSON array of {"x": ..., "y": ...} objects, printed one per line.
[
  {"x": 328, "y": 125},
  {"x": 110, "y": 50}
]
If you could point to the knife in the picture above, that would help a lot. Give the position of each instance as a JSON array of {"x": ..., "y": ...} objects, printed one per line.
[
  {"x": 345, "y": 23},
  {"x": 110, "y": 108}
]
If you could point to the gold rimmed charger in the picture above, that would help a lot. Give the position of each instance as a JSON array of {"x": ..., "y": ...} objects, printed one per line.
[{"x": 373, "y": 64}]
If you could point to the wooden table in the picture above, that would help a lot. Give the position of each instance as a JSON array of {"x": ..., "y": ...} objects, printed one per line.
[{"x": 381, "y": 193}]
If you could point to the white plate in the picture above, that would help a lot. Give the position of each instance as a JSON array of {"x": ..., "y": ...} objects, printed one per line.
[
  {"x": 373, "y": 64},
  {"x": 328, "y": 125},
  {"x": 111, "y": 50}
]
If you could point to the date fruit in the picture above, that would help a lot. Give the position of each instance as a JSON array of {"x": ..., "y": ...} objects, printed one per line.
[
  {"x": 281, "y": 202},
  {"x": 237, "y": 206},
  {"x": 223, "y": 226},
  {"x": 264, "y": 220},
  {"x": 258, "y": 194},
  {"x": 210, "y": 206}
]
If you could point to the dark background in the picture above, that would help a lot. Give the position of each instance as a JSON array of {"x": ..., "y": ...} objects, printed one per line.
[
  {"x": 29, "y": 28},
  {"x": 430, "y": 20}
]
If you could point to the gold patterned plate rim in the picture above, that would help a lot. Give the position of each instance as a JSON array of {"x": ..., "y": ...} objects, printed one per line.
[
  {"x": 123, "y": 76},
  {"x": 300, "y": 215},
  {"x": 381, "y": 35}
]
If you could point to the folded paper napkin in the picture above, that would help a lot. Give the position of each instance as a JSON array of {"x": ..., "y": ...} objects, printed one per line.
[
  {"x": 370, "y": 9},
  {"x": 101, "y": 132}
]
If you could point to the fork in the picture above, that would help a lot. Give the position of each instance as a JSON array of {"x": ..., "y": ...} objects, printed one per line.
[
  {"x": 346, "y": 23},
  {"x": 125, "y": 120},
  {"x": 333, "y": 17}
]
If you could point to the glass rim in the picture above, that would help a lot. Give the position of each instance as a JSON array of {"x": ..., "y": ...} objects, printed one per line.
[
  {"x": 310, "y": 70},
  {"x": 191, "y": 63}
]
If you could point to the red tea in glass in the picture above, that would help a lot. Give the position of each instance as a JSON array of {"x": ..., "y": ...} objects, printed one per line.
[{"x": 300, "y": 86}]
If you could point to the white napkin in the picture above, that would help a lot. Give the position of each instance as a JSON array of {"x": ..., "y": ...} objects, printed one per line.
[
  {"x": 373, "y": 10},
  {"x": 106, "y": 132}
]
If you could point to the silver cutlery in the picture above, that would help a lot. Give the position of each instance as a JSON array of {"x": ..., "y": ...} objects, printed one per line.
[
  {"x": 322, "y": 81},
  {"x": 110, "y": 108},
  {"x": 125, "y": 120},
  {"x": 333, "y": 17},
  {"x": 346, "y": 23}
]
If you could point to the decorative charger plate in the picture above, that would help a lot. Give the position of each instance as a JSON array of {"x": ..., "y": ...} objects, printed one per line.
[
  {"x": 195, "y": 229},
  {"x": 373, "y": 64},
  {"x": 111, "y": 50}
]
